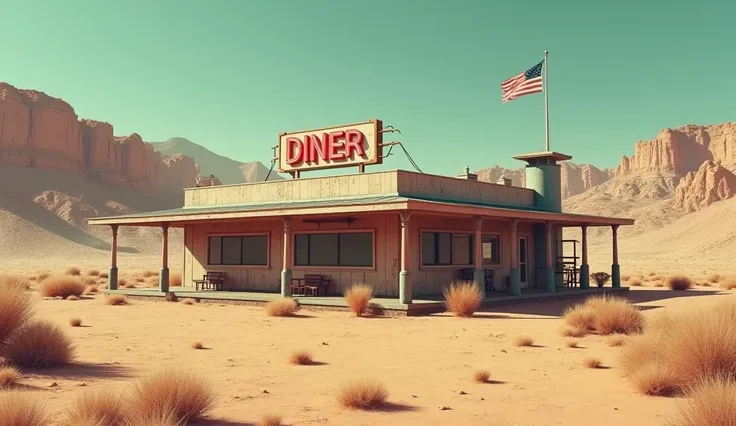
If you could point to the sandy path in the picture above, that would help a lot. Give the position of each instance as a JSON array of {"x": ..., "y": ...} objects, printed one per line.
[{"x": 425, "y": 362}]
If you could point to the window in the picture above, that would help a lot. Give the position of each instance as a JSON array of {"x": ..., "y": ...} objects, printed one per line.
[
  {"x": 335, "y": 249},
  {"x": 241, "y": 250},
  {"x": 491, "y": 250},
  {"x": 444, "y": 248}
]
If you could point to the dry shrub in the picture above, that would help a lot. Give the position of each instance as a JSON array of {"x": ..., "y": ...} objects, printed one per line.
[
  {"x": 728, "y": 284},
  {"x": 61, "y": 286},
  {"x": 364, "y": 394},
  {"x": 75, "y": 322},
  {"x": 115, "y": 299},
  {"x": 188, "y": 301},
  {"x": 150, "y": 273},
  {"x": 713, "y": 278},
  {"x": 679, "y": 282},
  {"x": 616, "y": 340},
  {"x": 625, "y": 277},
  {"x": 181, "y": 393},
  {"x": 572, "y": 344},
  {"x": 92, "y": 289},
  {"x": 301, "y": 358},
  {"x": 283, "y": 307},
  {"x": 89, "y": 280},
  {"x": 42, "y": 276},
  {"x": 481, "y": 376},
  {"x": 658, "y": 284},
  {"x": 39, "y": 344},
  {"x": 358, "y": 297},
  {"x": 569, "y": 331},
  {"x": 93, "y": 273},
  {"x": 635, "y": 282},
  {"x": 13, "y": 281},
  {"x": 73, "y": 270},
  {"x": 175, "y": 280},
  {"x": 104, "y": 275},
  {"x": 605, "y": 315},
  {"x": 680, "y": 349},
  {"x": 98, "y": 407},
  {"x": 155, "y": 419},
  {"x": 197, "y": 345},
  {"x": 592, "y": 362},
  {"x": 270, "y": 420},
  {"x": 524, "y": 341},
  {"x": 122, "y": 282},
  {"x": 712, "y": 403},
  {"x": 8, "y": 376},
  {"x": 463, "y": 298},
  {"x": 18, "y": 408},
  {"x": 152, "y": 282},
  {"x": 16, "y": 309}
]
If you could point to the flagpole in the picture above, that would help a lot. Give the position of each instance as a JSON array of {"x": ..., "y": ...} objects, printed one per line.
[{"x": 546, "y": 105}]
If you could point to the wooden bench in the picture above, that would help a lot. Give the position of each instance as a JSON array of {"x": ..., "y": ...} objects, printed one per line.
[
  {"x": 310, "y": 285},
  {"x": 211, "y": 281}
]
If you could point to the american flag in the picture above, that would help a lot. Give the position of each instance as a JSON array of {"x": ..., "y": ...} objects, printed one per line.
[{"x": 526, "y": 83}]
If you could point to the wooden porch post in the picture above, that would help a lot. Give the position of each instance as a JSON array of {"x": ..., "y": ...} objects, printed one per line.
[
  {"x": 112, "y": 278},
  {"x": 286, "y": 271},
  {"x": 584, "y": 267},
  {"x": 615, "y": 268},
  {"x": 405, "y": 278},
  {"x": 514, "y": 277},
  {"x": 549, "y": 272},
  {"x": 163, "y": 276},
  {"x": 479, "y": 275}
]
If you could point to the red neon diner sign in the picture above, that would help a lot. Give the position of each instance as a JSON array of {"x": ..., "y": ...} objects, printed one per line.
[{"x": 343, "y": 146}]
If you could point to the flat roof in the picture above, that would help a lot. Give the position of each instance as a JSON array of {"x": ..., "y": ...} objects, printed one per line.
[
  {"x": 553, "y": 155},
  {"x": 351, "y": 205}
]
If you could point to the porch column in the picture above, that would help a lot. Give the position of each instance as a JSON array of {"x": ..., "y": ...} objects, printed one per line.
[
  {"x": 549, "y": 272},
  {"x": 112, "y": 278},
  {"x": 479, "y": 275},
  {"x": 584, "y": 267},
  {"x": 405, "y": 278},
  {"x": 286, "y": 271},
  {"x": 163, "y": 277},
  {"x": 514, "y": 277},
  {"x": 615, "y": 269}
]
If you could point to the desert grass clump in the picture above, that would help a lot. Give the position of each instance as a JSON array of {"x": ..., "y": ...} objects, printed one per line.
[
  {"x": 635, "y": 282},
  {"x": 679, "y": 350},
  {"x": 9, "y": 376},
  {"x": 61, "y": 286},
  {"x": 99, "y": 407},
  {"x": 301, "y": 358},
  {"x": 713, "y": 278},
  {"x": 728, "y": 284},
  {"x": 39, "y": 344},
  {"x": 175, "y": 279},
  {"x": 283, "y": 307},
  {"x": 463, "y": 298},
  {"x": 155, "y": 419},
  {"x": 569, "y": 331},
  {"x": 572, "y": 344},
  {"x": 150, "y": 273},
  {"x": 116, "y": 299},
  {"x": 658, "y": 284},
  {"x": 592, "y": 362},
  {"x": 92, "y": 289},
  {"x": 481, "y": 376},
  {"x": 183, "y": 394},
  {"x": 73, "y": 270},
  {"x": 358, "y": 298},
  {"x": 523, "y": 341},
  {"x": 152, "y": 282},
  {"x": 11, "y": 281},
  {"x": 103, "y": 275},
  {"x": 18, "y": 408},
  {"x": 365, "y": 394},
  {"x": 616, "y": 340},
  {"x": 679, "y": 282},
  {"x": 16, "y": 309},
  {"x": 188, "y": 301},
  {"x": 712, "y": 403},
  {"x": 42, "y": 276},
  {"x": 605, "y": 315},
  {"x": 197, "y": 345},
  {"x": 93, "y": 272},
  {"x": 579, "y": 317},
  {"x": 75, "y": 322},
  {"x": 270, "y": 419}
]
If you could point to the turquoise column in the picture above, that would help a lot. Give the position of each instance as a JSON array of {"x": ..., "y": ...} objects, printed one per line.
[
  {"x": 112, "y": 278},
  {"x": 615, "y": 268},
  {"x": 163, "y": 276},
  {"x": 514, "y": 277},
  {"x": 584, "y": 267},
  {"x": 287, "y": 260},
  {"x": 405, "y": 284}
]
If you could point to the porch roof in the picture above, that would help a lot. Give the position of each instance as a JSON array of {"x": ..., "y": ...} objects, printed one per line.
[{"x": 354, "y": 205}]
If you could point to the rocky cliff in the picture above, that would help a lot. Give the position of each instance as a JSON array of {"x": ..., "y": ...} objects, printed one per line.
[
  {"x": 37, "y": 130},
  {"x": 711, "y": 183},
  {"x": 576, "y": 178},
  {"x": 683, "y": 150}
]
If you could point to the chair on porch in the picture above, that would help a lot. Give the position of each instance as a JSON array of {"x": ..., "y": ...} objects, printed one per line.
[
  {"x": 310, "y": 285},
  {"x": 211, "y": 281},
  {"x": 468, "y": 274}
]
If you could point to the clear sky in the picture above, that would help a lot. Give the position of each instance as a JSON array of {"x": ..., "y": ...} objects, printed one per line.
[{"x": 232, "y": 74}]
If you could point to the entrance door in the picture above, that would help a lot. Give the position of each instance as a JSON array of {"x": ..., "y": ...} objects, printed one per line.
[{"x": 523, "y": 262}]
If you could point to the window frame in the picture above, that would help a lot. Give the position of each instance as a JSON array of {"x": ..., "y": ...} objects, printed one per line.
[
  {"x": 208, "y": 237},
  {"x": 500, "y": 249},
  {"x": 296, "y": 267},
  {"x": 470, "y": 234}
]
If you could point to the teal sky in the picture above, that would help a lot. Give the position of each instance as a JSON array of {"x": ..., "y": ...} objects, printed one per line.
[{"x": 232, "y": 74}]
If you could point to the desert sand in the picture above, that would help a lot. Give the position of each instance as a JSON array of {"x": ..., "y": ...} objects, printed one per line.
[{"x": 426, "y": 363}]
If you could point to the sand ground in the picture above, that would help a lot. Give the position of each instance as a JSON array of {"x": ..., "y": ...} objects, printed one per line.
[{"x": 425, "y": 362}]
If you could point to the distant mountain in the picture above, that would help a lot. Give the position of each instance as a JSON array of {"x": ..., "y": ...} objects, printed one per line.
[{"x": 227, "y": 170}]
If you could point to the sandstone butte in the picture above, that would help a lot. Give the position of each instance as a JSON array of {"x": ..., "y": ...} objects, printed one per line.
[
  {"x": 37, "y": 130},
  {"x": 711, "y": 183}
]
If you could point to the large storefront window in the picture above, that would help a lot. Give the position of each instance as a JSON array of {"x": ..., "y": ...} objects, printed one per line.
[
  {"x": 491, "y": 250},
  {"x": 240, "y": 250},
  {"x": 334, "y": 249},
  {"x": 444, "y": 248}
]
